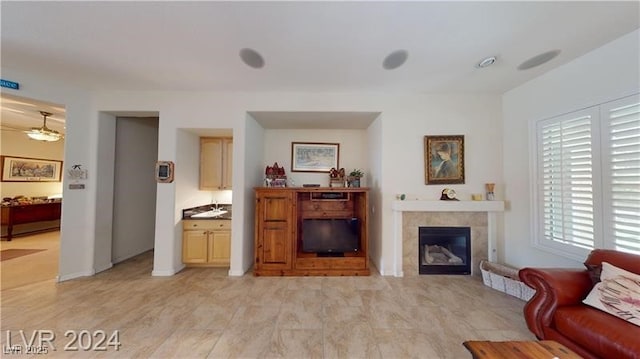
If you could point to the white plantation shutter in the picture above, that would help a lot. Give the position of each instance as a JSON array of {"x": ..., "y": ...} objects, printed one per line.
[
  {"x": 565, "y": 179},
  {"x": 621, "y": 173},
  {"x": 587, "y": 180}
]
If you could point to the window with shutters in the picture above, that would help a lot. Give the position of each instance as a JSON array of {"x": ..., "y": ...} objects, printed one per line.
[{"x": 586, "y": 183}]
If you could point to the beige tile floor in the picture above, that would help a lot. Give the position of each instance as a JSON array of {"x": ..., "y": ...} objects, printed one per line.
[{"x": 203, "y": 313}]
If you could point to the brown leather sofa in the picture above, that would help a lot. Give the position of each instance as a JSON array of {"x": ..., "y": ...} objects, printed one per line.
[{"x": 556, "y": 311}]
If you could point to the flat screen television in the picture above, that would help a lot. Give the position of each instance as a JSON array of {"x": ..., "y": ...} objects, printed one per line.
[{"x": 330, "y": 235}]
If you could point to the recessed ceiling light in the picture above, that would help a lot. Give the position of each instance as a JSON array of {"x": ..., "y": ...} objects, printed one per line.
[
  {"x": 486, "y": 62},
  {"x": 252, "y": 58},
  {"x": 395, "y": 59},
  {"x": 539, "y": 59}
]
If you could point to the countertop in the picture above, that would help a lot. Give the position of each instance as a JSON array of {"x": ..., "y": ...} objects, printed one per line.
[{"x": 188, "y": 212}]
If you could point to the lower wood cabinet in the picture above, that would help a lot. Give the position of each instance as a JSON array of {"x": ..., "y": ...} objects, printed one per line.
[
  {"x": 206, "y": 242},
  {"x": 274, "y": 230}
]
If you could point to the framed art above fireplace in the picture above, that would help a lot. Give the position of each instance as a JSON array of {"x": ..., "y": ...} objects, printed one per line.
[{"x": 444, "y": 159}]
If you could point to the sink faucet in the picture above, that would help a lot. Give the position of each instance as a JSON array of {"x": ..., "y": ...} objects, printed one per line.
[{"x": 214, "y": 204}]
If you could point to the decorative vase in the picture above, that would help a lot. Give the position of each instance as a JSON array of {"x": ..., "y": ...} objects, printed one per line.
[{"x": 354, "y": 182}]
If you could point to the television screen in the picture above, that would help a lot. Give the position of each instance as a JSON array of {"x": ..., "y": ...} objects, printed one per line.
[{"x": 330, "y": 235}]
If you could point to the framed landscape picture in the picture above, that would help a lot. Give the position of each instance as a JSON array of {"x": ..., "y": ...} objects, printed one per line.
[
  {"x": 314, "y": 157},
  {"x": 444, "y": 159},
  {"x": 22, "y": 169}
]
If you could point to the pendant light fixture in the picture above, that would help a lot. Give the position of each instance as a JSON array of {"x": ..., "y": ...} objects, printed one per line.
[{"x": 44, "y": 133}]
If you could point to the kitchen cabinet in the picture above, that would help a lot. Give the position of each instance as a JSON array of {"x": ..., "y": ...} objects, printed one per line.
[
  {"x": 206, "y": 242},
  {"x": 216, "y": 163}
]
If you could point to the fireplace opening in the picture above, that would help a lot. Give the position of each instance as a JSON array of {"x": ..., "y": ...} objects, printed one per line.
[{"x": 444, "y": 250}]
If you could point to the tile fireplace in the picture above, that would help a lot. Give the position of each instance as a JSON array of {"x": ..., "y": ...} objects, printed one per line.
[{"x": 479, "y": 216}]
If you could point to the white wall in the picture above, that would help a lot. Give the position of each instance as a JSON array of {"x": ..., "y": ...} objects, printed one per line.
[
  {"x": 104, "y": 176},
  {"x": 354, "y": 151},
  {"x": 78, "y": 207},
  {"x": 242, "y": 248},
  {"x": 187, "y": 166},
  {"x": 134, "y": 200},
  {"x": 17, "y": 144},
  {"x": 604, "y": 74},
  {"x": 404, "y": 120},
  {"x": 374, "y": 136}
]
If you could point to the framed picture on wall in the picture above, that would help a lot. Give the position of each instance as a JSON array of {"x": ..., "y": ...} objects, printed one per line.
[
  {"x": 444, "y": 159},
  {"x": 314, "y": 157},
  {"x": 23, "y": 169}
]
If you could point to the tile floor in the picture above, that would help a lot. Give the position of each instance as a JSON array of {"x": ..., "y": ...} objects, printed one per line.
[
  {"x": 34, "y": 267},
  {"x": 203, "y": 313}
]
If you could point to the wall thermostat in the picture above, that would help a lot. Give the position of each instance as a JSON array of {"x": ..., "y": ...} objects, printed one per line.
[{"x": 164, "y": 171}]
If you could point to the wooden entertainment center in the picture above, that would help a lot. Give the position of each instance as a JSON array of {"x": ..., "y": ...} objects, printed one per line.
[{"x": 280, "y": 213}]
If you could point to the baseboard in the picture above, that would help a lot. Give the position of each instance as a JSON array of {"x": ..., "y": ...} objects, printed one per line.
[
  {"x": 236, "y": 273},
  {"x": 167, "y": 272},
  {"x": 384, "y": 272},
  {"x": 101, "y": 269},
  {"x": 66, "y": 277},
  {"x": 163, "y": 273}
]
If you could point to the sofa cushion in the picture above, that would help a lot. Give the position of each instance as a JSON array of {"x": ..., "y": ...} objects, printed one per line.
[
  {"x": 618, "y": 293},
  {"x": 594, "y": 272},
  {"x": 600, "y": 333}
]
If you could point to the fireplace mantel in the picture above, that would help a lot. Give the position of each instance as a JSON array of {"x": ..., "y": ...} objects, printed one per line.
[
  {"x": 489, "y": 207},
  {"x": 447, "y": 206}
]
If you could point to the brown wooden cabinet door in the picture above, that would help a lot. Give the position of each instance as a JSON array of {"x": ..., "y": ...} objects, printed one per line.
[
  {"x": 275, "y": 244},
  {"x": 274, "y": 230}
]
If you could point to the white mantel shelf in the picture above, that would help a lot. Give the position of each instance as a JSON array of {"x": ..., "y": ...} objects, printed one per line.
[
  {"x": 490, "y": 207},
  {"x": 448, "y": 206}
]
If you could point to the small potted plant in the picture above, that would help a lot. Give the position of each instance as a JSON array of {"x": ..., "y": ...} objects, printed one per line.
[{"x": 354, "y": 177}]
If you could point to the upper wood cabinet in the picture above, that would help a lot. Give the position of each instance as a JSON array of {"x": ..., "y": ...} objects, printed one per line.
[{"x": 216, "y": 163}]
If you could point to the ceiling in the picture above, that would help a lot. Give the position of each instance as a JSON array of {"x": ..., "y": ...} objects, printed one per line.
[
  {"x": 314, "y": 120},
  {"x": 324, "y": 46},
  {"x": 20, "y": 114}
]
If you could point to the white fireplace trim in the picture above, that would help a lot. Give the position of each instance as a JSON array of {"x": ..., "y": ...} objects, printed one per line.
[{"x": 490, "y": 207}]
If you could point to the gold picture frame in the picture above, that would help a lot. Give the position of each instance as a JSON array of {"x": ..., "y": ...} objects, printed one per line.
[
  {"x": 444, "y": 159},
  {"x": 24, "y": 169}
]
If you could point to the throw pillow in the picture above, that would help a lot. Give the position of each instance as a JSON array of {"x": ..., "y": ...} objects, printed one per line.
[
  {"x": 594, "y": 271},
  {"x": 618, "y": 293}
]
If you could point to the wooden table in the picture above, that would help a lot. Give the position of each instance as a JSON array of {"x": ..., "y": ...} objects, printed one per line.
[{"x": 545, "y": 349}]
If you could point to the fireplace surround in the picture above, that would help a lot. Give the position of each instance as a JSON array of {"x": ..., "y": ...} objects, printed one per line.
[{"x": 408, "y": 215}]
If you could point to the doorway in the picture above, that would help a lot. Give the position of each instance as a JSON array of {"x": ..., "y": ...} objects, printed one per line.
[
  {"x": 134, "y": 187},
  {"x": 33, "y": 254}
]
